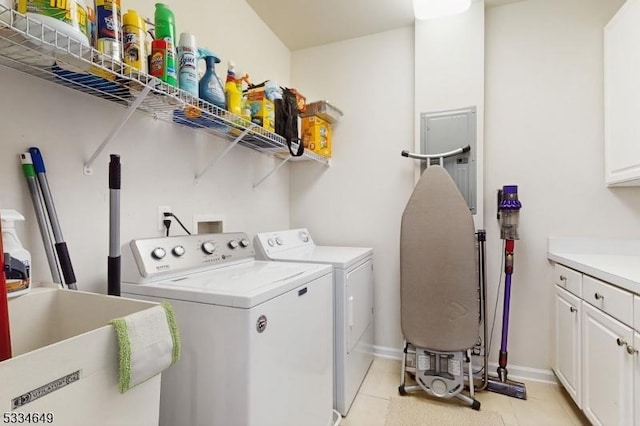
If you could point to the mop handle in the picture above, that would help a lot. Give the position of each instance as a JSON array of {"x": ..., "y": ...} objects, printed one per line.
[
  {"x": 113, "y": 261},
  {"x": 30, "y": 175},
  {"x": 61, "y": 245},
  {"x": 441, "y": 156}
]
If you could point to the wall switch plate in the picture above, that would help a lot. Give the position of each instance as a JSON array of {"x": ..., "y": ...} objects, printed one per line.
[{"x": 161, "y": 211}]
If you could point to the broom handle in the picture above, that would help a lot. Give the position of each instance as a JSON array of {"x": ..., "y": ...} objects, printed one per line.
[{"x": 61, "y": 245}]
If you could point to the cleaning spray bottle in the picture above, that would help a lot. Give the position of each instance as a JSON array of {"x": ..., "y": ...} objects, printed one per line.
[
  {"x": 17, "y": 260},
  {"x": 187, "y": 64},
  {"x": 165, "y": 24},
  {"x": 234, "y": 96},
  {"x": 210, "y": 86}
]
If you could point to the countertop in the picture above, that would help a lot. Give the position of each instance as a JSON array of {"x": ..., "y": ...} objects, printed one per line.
[{"x": 616, "y": 261}]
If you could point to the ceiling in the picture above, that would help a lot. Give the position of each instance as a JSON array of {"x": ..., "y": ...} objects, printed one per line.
[{"x": 304, "y": 23}]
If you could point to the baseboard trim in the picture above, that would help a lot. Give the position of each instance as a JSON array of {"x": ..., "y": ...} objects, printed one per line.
[{"x": 516, "y": 372}]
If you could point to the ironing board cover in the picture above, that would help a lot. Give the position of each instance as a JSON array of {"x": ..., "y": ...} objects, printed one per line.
[{"x": 439, "y": 291}]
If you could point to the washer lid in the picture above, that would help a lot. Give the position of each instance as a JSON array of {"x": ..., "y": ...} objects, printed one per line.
[
  {"x": 242, "y": 286},
  {"x": 339, "y": 257}
]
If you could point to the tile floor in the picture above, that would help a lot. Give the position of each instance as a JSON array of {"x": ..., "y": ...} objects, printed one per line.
[{"x": 546, "y": 404}]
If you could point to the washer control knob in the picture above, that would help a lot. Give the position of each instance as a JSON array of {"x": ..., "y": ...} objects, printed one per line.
[
  {"x": 158, "y": 253},
  {"x": 279, "y": 241},
  {"x": 270, "y": 242},
  {"x": 304, "y": 237},
  {"x": 244, "y": 243},
  {"x": 178, "y": 251},
  {"x": 208, "y": 247},
  {"x": 233, "y": 244}
]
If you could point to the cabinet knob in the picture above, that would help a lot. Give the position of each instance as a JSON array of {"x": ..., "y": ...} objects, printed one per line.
[
  {"x": 621, "y": 342},
  {"x": 598, "y": 296},
  {"x": 572, "y": 309},
  {"x": 563, "y": 278},
  {"x": 631, "y": 350}
]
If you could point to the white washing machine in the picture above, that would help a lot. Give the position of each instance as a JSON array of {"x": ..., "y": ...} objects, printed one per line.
[
  {"x": 353, "y": 302},
  {"x": 256, "y": 336}
]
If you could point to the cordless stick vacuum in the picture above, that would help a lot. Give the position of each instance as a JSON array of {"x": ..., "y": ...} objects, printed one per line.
[{"x": 508, "y": 214}]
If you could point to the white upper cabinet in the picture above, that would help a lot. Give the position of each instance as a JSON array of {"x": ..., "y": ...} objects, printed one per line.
[{"x": 622, "y": 96}]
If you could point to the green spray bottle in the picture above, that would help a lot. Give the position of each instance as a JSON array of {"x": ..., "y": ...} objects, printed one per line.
[{"x": 166, "y": 30}]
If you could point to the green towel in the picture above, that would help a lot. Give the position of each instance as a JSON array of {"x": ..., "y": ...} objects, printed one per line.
[{"x": 149, "y": 343}]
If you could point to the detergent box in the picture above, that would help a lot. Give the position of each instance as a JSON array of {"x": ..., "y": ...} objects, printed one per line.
[
  {"x": 262, "y": 109},
  {"x": 316, "y": 135}
]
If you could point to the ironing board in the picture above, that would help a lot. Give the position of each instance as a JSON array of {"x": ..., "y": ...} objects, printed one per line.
[{"x": 439, "y": 290}]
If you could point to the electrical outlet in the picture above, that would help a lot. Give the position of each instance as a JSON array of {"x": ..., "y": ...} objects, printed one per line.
[{"x": 161, "y": 211}]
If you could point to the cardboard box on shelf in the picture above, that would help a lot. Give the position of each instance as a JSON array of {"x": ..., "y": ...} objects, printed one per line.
[
  {"x": 316, "y": 135},
  {"x": 262, "y": 109}
]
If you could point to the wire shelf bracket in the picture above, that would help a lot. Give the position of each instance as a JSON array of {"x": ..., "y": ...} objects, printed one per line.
[
  {"x": 116, "y": 128},
  {"x": 275, "y": 169},
  {"x": 224, "y": 153}
]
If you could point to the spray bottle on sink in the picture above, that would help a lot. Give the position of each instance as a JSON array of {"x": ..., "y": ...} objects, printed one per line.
[{"x": 17, "y": 260}]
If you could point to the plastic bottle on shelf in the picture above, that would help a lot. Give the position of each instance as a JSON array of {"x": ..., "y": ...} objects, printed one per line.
[
  {"x": 68, "y": 18},
  {"x": 17, "y": 260},
  {"x": 166, "y": 30},
  {"x": 158, "y": 59},
  {"x": 109, "y": 28},
  {"x": 134, "y": 32},
  {"x": 210, "y": 87},
  {"x": 187, "y": 64},
  {"x": 234, "y": 96}
]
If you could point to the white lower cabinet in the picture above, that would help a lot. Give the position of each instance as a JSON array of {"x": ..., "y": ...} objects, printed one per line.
[
  {"x": 568, "y": 331},
  {"x": 597, "y": 339},
  {"x": 607, "y": 369}
]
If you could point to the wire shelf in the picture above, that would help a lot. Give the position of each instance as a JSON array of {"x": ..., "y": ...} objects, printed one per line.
[{"x": 34, "y": 48}]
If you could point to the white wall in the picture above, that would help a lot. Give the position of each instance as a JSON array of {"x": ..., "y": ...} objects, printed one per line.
[
  {"x": 544, "y": 133},
  {"x": 358, "y": 201},
  {"x": 449, "y": 74},
  {"x": 159, "y": 160}
]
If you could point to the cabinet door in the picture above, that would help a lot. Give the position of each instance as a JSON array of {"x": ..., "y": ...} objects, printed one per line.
[
  {"x": 622, "y": 100},
  {"x": 636, "y": 377},
  {"x": 607, "y": 379},
  {"x": 567, "y": 360}
]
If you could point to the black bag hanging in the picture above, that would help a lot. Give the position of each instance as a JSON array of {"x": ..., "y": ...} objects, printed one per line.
[{"x": 287, "y": 120}]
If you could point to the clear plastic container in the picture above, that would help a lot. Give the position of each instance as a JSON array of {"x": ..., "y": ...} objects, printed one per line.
[{"x": 324, "y": 110}]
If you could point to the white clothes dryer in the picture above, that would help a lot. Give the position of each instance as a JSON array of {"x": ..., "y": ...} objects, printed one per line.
[
  {"x": 255, "y": 335},
  {"x": 353, "y": 302}
]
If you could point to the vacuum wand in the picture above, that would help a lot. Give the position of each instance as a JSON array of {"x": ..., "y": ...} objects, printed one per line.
[{"x": 508, "y": 270}]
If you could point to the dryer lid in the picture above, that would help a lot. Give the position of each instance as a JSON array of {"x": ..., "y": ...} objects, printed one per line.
[{"x": 338, "y": 257}]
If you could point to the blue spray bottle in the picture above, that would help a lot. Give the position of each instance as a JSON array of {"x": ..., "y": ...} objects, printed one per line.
[{"x": 210, "y": 86}]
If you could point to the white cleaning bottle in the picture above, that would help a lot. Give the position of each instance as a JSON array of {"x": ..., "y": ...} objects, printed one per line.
[
  {"x": 187, "y": 64},
  {"x": 17, "y": 260}
]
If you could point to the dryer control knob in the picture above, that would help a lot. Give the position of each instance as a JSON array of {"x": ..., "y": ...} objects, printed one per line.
[
  {"x": 244, "y": 243},
  {"x": 158, "y": 253},
  {"x": 178, "y": 251},
  {"x": 208, "y": 247},
  {"x": 279, "y": 241},
  {"x": 233, "y": 244},
  {"x": 270, "y": 242}
]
